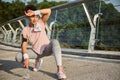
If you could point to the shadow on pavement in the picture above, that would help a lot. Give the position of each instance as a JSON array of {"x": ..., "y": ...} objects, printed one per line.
[
  {"x": 8, "y": 65},
  {"x": 53, "y": 75}
]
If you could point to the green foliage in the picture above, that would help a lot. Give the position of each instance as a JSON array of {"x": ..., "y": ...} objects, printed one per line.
[
  {"x": 46, "y": 4},
  {"x": 15, "y": 9},
  {"x": 10, "y": 11},
  {"x": 73, "y": 29},
  {"x": 33, "y": 2}
]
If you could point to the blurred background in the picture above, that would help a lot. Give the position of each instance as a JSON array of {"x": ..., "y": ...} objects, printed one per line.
[{"x": 72, "y": 27}]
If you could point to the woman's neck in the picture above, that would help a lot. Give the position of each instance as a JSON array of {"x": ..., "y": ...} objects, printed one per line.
[{"x": 31, "y": 25}]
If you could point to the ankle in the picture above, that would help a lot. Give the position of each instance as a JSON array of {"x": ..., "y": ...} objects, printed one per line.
[
  {"x": 59, "y": 68},
  {"x": 60, "y": 71}
]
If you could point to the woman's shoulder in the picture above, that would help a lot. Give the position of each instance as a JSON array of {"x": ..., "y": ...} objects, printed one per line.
[
  {"x": 26, "y": 27},
  {"x": 25, "y": 30}
]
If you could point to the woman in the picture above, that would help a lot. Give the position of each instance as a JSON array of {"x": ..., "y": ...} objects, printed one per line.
[{"x": 35, "y": 33}]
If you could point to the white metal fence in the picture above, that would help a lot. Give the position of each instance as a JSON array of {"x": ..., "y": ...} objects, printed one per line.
[{"x": 82, "y": 25}]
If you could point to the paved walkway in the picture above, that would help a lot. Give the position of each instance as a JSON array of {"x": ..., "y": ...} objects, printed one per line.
[{"x": 76, "y": 67}]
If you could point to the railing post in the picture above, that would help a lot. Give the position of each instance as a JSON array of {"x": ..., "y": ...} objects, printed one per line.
[
  {"x": 14, "y": 33},
  {"x": 9, "y": 36},
  {"x": 93, "y": 30},
  {"x": 21, "y": 24},
  {"x": 50, "y": 28},
  {"x": 48, "y": 31},
  {"x": 4, "y": 33}
]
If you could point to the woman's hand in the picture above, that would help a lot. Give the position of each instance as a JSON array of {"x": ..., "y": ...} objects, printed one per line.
[
  {"x": 26, "y": 63},
  {"x": 29, "y": 13}
]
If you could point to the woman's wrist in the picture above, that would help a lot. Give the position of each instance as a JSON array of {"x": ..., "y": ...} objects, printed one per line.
[
  {"x": 25, "y": 56},
  {"x": 37, "y": 12}
]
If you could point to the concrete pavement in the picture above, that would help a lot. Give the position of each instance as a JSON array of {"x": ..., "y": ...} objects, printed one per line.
[{"x": 76, "y": 67}]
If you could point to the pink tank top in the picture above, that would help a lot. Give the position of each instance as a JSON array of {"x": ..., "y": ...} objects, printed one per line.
[{"x": 38, "y": 39}]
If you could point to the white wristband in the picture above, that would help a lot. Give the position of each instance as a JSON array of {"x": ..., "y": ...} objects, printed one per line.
[
  {"x": 37, "y": 12},
  {"x": 25, "y": 56}
]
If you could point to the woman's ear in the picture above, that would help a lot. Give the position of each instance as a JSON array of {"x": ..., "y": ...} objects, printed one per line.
[{"x": 25, "y": 12}]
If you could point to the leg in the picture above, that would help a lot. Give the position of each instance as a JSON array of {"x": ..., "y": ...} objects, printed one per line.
[
  {"x": 38, "y": 63},
  {"x": 54, "y": 48},
  {"x": 57, "y": 53},
  {"x": 58, "y": 57},
  {"x": 39, "y": 60}
]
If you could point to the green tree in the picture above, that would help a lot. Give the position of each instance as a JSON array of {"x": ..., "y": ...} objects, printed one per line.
[
  {"x": 45, "y": 1},
  {"x": 10, "y": 11},
  {"x": 33, "y": 2}
]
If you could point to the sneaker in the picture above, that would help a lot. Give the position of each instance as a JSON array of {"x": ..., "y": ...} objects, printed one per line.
[
  {"x": 38, "y": 65},
  {"x": 61, "y": 75}
]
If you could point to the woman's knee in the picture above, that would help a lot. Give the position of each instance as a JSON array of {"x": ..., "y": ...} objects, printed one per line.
[
  {"x": 56, "y": 46},
  {"x": 19, "y": 57},
  {"x": 55, "y": 42}
]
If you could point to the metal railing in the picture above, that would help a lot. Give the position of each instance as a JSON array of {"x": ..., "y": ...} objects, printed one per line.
[
  {"x": 14, "y": 32},
  {"x": 11, "y": 36}
]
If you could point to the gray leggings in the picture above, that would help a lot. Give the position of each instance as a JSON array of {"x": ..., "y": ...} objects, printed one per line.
[{"x": 52, "y": 49}]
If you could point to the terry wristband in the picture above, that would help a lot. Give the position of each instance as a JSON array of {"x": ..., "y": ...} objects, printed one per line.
[
  {"x": 25, "y": 56},
  {"x": 37, "y": 12}
]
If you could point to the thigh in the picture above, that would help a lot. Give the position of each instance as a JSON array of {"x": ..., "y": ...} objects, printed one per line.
[{"x": 47, "y": 51}]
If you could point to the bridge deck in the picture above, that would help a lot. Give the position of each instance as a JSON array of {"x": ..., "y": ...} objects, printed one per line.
[{"x": 76, "y": 67}]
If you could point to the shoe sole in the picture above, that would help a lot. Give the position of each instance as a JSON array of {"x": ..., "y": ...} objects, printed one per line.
[
  {"x": 39, "y": 66},
  {"x": 61, "y": 79}
]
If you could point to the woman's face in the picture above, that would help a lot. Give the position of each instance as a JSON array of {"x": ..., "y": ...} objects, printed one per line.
[{"x": 33, "y": 19}]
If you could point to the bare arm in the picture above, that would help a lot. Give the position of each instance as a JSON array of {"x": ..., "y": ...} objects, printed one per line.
[
  {"x": 46, "y": 14},
  {"x": 24, "y": 50},
  {"x": 24, "y": 44}
]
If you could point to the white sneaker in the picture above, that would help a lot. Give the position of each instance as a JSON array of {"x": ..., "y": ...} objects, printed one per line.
[
  {"x": 61, "y": 75},
  {"x": 38, "y": 65}
]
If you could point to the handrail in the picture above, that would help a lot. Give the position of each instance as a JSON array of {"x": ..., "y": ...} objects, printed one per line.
[
  {"x": 54, "y": 8},
  {"x": 77, "y": 2},
  {"x": 13, "y": 20},
  {"x": 70, "y": 4}
]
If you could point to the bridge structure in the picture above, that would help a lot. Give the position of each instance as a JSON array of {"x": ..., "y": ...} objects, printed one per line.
[
  {"x": 11, "y": 30},
  {"x": 76, "y": 18},
  {"x": 57, "y": 25},
  {"x": 79, "y": 14}
]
